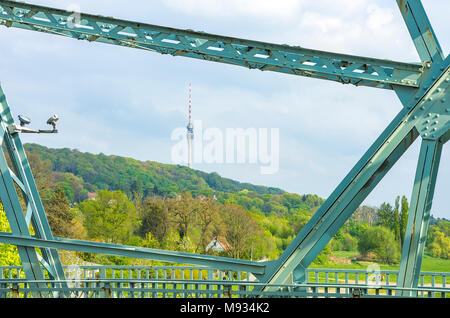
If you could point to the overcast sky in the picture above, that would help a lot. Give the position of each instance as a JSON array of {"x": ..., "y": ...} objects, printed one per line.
[{"x": 127, "y": 102}]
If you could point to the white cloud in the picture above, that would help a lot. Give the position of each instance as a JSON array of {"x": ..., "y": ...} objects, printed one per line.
[
  {"x": 285, "y": 9},
  {"x": 323, "y": 23},
  {"x": 379, "y": 18}
]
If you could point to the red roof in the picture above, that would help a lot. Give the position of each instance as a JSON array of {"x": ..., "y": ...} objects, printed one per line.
[{"x": 224, "y": 243}]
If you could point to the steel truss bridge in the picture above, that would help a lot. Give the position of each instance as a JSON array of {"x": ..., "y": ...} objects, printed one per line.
[{"x": 422, "y": 88}]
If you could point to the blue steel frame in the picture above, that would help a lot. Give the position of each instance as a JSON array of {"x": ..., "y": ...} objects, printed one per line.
[{"x": 421, "y": 87}]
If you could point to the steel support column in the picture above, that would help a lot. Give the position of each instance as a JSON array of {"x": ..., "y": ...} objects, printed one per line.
[{"x": 419, "y": 214}]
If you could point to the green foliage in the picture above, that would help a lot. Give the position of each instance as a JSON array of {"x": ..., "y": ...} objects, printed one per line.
[
  {"x": 403, "y": 218},
  {"x": 386, "y": 215},
  {"x": 154, "y": 218},
  {"x": 150, "y": 241},
  {"x": 438, "y": 242},
  {"x": 396, "y": 219},
  {"x": 175, "y": 208},
  {"x": 9, "y": 255},
  {"x": 78, "y": 173},
  {"x": 111, "y": 217},
  {"x": 241, "y": 229},
  {"x": 100, "y": 172},
  {"x": 380, "y": 241},
  {"x": 59, "y": 214}
]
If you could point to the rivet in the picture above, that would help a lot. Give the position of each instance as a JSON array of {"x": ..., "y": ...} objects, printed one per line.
[{"x": 425, "y": 134}]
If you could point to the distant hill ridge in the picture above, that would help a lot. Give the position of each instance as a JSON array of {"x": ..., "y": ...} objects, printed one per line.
[{"x": 99, "y": 171}]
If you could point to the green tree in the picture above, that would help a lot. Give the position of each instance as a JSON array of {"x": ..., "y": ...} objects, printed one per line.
[
  {"x": 59, "y": 214},
  {"x": 207, "y": 215},
  {"x": 396, "y": 219},
  {"x": 150, "y": 242},
  {"x": 9, "y": 255},
  {"x": 380, "y": 241},
  {"x": 438, "y": 242},
  {"x": 111, "y": 217},
  {"x": 42, "y": 173},
  {"x": 403, "y": 218},
  {"x": 182, "y": 210},
  {"x": 385, "y": 215},
  {"x": 241, "y": 228},
  {"x": 154, "y": 218}
]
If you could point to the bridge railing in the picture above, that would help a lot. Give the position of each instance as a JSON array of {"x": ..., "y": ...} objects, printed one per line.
[
  {"x": 381, "y": 277},
  {"x": 117, "y": 271},
  {"x": 198, "y": 282}
]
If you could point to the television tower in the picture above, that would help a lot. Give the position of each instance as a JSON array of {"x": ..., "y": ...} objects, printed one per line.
[{"x": 190, "y": 130}]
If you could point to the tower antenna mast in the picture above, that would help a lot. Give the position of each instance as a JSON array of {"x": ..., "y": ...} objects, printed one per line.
[{"x": 190, "y": 129}]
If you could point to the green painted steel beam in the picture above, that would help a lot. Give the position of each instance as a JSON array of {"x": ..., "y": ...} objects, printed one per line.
[
  {"x": 419, "y": 214},
  {"x": 342, "y": 68},
  {"x": 222, "y": 263},
  {"x": 421, "y": 31}
]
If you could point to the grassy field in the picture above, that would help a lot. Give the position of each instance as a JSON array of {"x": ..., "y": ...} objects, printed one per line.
[
  {"x": 345, "y": 261},
  {"x": 429, "y": 264}
]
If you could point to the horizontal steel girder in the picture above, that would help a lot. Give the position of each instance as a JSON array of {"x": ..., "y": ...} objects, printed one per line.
[
  {"x": 222, "y": 263},
  {"x": 342, "y": 68}
]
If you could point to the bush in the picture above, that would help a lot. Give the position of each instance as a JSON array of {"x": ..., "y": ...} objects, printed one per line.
[
  {"x": 349, "y": 243},
  {"x": 439, "y": 245},
  {"x": 380, "y": 241}
]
